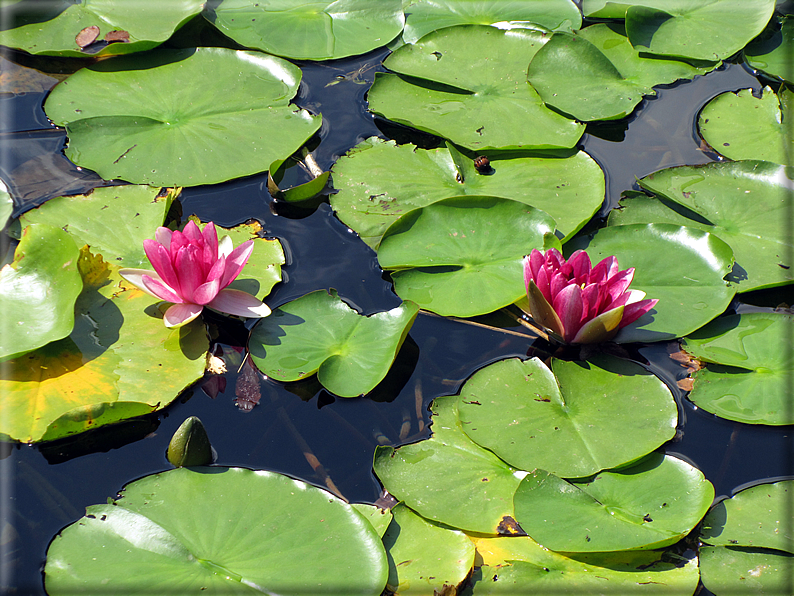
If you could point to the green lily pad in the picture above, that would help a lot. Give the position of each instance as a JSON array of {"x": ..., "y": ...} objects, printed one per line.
[
  {"x": 448, "y": 478},
  {"x": 378, "y": 181},
  {"x": 573, "y": 422},
  {"x": 702, "y": 30},
  {"x": 51, "y": 27},
  {"x": 688, "y": 283},
  {"x": 651, "y": 504},
  {"x": 463, "y": 256},
  {"x": 752, "y": 539},
  {"x": 38, "y": 290},
  {"x": 595, "y": 74},
  {"x": 168, "y": 533},
  {"x": 424, "y": 16},
  {"x": 755, "y": 517},
  {"x": 748, "y": 368},
  {"x": 741, "y": 203},
  {"x": 772, "y": 53},
  {"x": 319, "y": 333},
  {"x": 468, "y": 84},
  {"x": 308, "y": 29},
  {"x": 424, "y": 556},
  {"x": 121, "y": 125},
  {"x": 741, "y": 126},
  {"x": 518, "y": 564},
  {"x": 113, "y": 220},
  {"x": 727, "y": 570},
  {"x": 377, "y": 517},
  {"x": 105, "y": 370}
]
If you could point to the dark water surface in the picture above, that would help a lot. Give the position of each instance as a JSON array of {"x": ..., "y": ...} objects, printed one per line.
[{"x": 294, "y": 427}]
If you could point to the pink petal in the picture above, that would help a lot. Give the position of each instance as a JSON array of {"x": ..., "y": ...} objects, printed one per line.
[
  {"x": 242, "y": 304},
  {"x": 206, "y": 292},
  {"x": 542, "y": 281},
  {"x": 536, "y": 261},
  {"x": 160, "y": 259},
  {"x": 527, "y": 262},
  {"x": 542, "y": 312},
  {"x": 557, "y": 283},
  {"x": 589, "y": 302},
  {"x": 568, "y": 305},
  {"x": 135, "y": 276},
  {"x": 163, "y": 236},
  {"x": 178, "y": 240},
  {"x": 580, "y": 262},
  {"x": 620, "y": 283},
  {"x": 236, "y": 261},
  {"x": 160, "y": 290},
  {"x": 192, "y": 232},
  {"x": 188, "y": 269},
  {"x": 181, "y": 314},
  {"x": 634, "y": 310},
  {"x": 210, "y": 236}
]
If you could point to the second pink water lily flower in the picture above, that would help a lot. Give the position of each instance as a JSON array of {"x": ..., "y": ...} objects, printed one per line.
[
  {"x": 580, "y": 303},
  {"x": 192, "y": 270}
]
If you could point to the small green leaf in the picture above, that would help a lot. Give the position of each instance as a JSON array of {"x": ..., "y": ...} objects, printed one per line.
[
  {"x": 319, "y": 333},
  {"x": 771, "y": 52}
]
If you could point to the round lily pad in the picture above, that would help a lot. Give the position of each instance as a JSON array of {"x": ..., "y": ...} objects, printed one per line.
[
  {"x": 742, "y": 203},
  {"x": 688, "y": 282},
  {"x": 727, "y": 570},
  {"x": 652, "y": 504},
  {"x": 468, "y": 84},
  {"x": 319, "y": 333},
  {"x": 89, "y": 28},
  {"x": 580, "y": 419},
  {"x": 595, "y": 74},
  {"x": 308, "y": 29},
  {"x": 425, "y": 16},
  {"x": 378, "y": 181},
  {"x": 741, "y": 126},
  {"x": 425, "y": 556},
  {"x": 218, "y": 531},
  {"x": 38, "y": 290},
  {"x": 121, "y": 124},
  {"x": 711, "y": 30},
  {"x": 518, "y": 564},
  {"x": 463, "y": 256},
  {"x": 449, "y": 478},
  {"x": 748, "y": 367}
]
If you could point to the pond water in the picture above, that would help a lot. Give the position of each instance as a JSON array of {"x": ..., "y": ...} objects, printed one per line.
[{"x": 300, "y": 429}]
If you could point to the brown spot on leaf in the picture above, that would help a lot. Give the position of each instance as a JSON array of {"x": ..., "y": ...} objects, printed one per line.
[
  {"x": 509, "y": 527},
  {"x": 87, "y": 36}
]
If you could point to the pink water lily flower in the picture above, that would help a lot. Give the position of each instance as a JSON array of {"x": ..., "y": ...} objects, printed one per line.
[
  {"x": 580, "y": 303},
  {"x": 192, "y": 270}
]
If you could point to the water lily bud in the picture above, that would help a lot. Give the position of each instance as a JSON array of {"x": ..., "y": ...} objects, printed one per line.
[{"x": 190, "y": 445}]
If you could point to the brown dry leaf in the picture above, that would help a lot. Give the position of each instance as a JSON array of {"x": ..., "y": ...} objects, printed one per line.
[
  {"x": 247, "y": 388},
  {"x": 120, "y": 35},
  {"x": 685, "y": 360},
  {"x": 685, "y": 384},
  {"x": 87, "y": 36}
]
